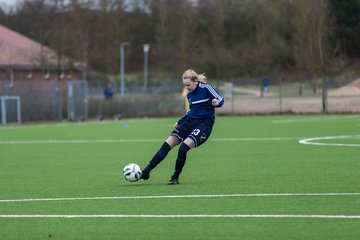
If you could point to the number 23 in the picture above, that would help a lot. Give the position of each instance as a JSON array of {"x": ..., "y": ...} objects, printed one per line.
[{"x": 196, "y": 132}]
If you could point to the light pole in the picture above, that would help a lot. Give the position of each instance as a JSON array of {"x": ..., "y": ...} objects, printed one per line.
[
  {"x": 146, "y": 48},
  {"x": 122, "y": 67}
]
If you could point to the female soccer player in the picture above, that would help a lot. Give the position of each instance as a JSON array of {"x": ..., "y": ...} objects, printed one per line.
[{"x": 194, "y": 128}]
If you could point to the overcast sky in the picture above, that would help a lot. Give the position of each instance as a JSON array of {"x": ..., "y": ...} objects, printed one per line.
[{"x": 6, "y": 4}]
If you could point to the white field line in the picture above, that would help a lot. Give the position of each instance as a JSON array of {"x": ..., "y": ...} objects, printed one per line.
[
  {"x": 180, "y": 196},
  {"x": 183, "y": 216},
  {"x": 254, "y": 139},
  {"x": 306, "y": 141},
  {"x": 86, "y": 141},
  {"x": 317, "y": 119},
  {"x": 312, "y": 141},
  {"x": 79, "y": 141}
]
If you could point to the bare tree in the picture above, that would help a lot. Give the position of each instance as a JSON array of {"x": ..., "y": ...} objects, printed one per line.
[
  {"x": 310, "y": 35},
  {"x": 311, "y": 51},
  {"x": 224, "y": 38}
]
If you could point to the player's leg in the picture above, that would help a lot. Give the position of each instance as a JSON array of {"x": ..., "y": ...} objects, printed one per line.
[
  {"x": 170, "y": 142},
  {"x": 197, "y": 137},
  {"x": 181, "y": 159}
]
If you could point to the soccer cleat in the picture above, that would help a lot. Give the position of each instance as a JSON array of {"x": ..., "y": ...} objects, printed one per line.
[
  {"x": 173, "y": 181},
  {"x": 145, "y": 176}
]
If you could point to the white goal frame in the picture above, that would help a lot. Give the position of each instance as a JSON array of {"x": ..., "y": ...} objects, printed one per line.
[{"x": 3, "y": 100}]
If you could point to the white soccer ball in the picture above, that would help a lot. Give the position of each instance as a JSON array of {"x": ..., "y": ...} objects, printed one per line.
[{"x": 132, "y": 172}]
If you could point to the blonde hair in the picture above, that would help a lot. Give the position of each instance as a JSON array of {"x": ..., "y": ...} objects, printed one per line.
[{"x": 193, "y": 76}]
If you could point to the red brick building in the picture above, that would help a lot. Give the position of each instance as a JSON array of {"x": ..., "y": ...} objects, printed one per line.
[{"x": 23, "y": 59}]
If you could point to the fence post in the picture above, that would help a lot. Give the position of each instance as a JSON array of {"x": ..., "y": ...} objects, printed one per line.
[
  {"x": 325, "y": 95},
  {"x": 280, "y": 95}
]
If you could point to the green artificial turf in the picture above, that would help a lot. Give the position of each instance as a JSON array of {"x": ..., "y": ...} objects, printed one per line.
[{"x": 239, "y": 185}]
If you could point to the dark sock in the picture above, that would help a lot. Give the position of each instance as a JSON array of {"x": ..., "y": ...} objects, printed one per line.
[
  {"x": 158, "y": 157},
  {"x": 180, "y": 161}
]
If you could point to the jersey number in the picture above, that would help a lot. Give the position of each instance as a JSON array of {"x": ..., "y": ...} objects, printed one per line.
[{"x": 196, "y": 132}]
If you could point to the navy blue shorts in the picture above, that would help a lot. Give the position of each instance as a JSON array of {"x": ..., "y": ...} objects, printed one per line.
[{"x": 198, "y": 130}]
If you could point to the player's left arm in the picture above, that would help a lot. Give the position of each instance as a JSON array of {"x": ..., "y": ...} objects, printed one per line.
[
  {"x": 216, "y": 99},
  {"x": 216, "y": 103}
]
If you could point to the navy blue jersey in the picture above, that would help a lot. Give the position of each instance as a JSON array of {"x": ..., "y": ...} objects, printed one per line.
[{"x": 200, "y": 102}]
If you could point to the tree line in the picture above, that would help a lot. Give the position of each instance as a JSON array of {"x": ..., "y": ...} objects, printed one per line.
[{"x": 224, "y": 38}]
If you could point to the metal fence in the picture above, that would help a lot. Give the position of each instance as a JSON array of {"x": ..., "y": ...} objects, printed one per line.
[
  {"x": 77, "y": 100},
  {"x": 40, "y": 100},
  {"x": 296, "y": 96},
  {"x": 52, "y": 101}
]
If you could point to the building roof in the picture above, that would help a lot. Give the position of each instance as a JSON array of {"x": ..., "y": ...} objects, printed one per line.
[{"x": 19, "y": 50}]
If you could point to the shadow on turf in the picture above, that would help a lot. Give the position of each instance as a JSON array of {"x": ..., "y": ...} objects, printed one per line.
[{"x": 142, "y": 183}]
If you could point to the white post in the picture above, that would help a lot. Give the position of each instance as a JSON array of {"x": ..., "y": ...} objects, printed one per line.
[
  {"x": 146, "y": 48},
  {"x": 3, "y": 111},
  {"x": 122, "y": 67},
  {"x": 18, "y": 110}
]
